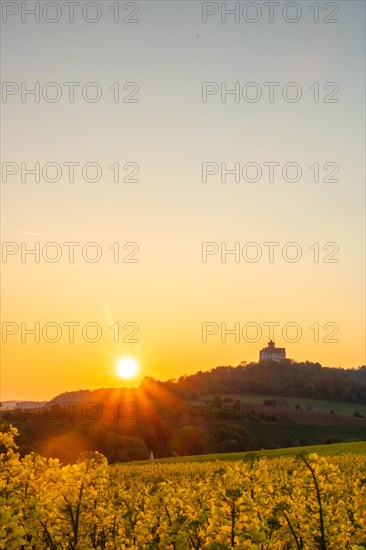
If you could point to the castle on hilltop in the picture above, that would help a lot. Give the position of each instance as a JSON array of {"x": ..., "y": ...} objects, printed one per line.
[{"x": 271, "y": 353}]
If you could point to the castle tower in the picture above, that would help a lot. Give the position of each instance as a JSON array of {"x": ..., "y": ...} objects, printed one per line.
[{"x": 271, "y": 353}]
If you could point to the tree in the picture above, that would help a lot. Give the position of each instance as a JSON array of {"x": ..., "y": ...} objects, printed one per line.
[{"x": 190, "y": 440}]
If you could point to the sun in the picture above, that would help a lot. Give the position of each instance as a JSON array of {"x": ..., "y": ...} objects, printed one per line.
[{"x": 127, "y": 367}]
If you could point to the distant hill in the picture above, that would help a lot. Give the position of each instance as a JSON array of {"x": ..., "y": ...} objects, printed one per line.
[
  {"x": 88, "y": 396},
  {"x": 286, "y": 379}
]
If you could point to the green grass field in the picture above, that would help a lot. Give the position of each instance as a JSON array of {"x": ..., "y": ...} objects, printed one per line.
[
  {"x": 339, "y": 407},
  {"x": 357, "y": 448}
]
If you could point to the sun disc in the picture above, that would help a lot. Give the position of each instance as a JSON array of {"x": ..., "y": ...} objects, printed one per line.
[{"x": 127, "y": 367}]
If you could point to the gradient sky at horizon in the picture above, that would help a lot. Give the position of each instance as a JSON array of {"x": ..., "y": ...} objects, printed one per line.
[{"x": 170, "y": 132}]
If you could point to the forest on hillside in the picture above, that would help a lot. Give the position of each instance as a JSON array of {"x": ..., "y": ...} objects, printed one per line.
[{"x": 289, "y": 378}]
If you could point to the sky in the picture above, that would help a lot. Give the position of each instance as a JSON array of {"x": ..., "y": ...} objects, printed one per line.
[{"x": 173, "y": 96}]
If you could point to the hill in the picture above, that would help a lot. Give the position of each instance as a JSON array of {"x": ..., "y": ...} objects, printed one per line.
[
  {"x": 285, "y": 379},
  {"x": 288, "y": 378}
]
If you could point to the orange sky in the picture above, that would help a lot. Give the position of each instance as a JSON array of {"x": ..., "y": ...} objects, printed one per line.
[{"x": 161, "y": 284}]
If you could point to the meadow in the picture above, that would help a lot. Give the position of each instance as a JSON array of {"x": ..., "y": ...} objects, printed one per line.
[
  {"x": 308, "y": 501},
  {"x": 315, "y": 405},
  {"x": 334, "y": 449}
]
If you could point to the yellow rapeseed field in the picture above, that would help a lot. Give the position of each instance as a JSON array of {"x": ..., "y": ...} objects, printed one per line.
[{"x": 307, "y": 502}]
